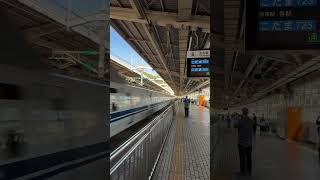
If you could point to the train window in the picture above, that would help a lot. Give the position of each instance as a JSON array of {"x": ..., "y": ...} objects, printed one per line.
[
  {"x": 9, "y": 91},
  {"x": 113, "y": 90}
]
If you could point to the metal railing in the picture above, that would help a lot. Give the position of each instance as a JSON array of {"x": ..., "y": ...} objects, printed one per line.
[{"x": 137, "y": 158}]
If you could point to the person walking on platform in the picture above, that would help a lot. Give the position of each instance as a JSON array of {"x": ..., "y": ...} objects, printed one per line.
[
  {"x": 186, "y": 106},
  {"x": 245, "y": 135},
  {"x": 254, "y": 124}
]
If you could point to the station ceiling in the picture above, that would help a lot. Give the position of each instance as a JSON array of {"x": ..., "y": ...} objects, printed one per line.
[
  {"x": 161, "y": 32},
  {"x": 130, "y": 76},
  {"x": 242, "y": 77},
  {"x": 57, "y": 46}
]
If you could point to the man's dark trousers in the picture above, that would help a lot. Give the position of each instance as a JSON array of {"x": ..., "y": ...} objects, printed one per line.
[
  {"x": 186, "y": 112},
  {"x": 245, "y": 159}
]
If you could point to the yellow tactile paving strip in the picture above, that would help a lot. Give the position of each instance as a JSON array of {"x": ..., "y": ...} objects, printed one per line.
[{"x": 177, "y": 161}]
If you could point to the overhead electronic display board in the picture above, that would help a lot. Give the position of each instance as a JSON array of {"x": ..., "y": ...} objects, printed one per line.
[
  {"x": 282, "y": 24},
  {"x": 198, "y": 63}
]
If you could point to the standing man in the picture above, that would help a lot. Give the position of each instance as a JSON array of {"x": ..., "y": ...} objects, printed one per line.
[
  {"x": 254, "y": 124},
  {"x": 245, "y": 134},
  {"x": 186, "y": 106},
  {"x": 262, "y": 126}
]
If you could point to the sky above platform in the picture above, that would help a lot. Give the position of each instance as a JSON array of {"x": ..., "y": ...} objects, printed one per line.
[{"x": 120, "y": 48}]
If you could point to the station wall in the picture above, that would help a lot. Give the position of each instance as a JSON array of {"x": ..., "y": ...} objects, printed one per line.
[
  {"x": 204, "y": 92},
  {"x": 303, "y": 93}
]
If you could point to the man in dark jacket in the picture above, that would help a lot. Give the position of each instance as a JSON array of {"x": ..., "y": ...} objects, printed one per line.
[
  {"x": 186, "y": 106},
  {"x": 245, "y": 134},
  {"x": 254, "y": 124}
]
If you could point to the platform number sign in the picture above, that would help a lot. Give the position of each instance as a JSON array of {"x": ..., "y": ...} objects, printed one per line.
[
  {"x": 198, "y": 63},
  {"x": 282, "y": 24}
]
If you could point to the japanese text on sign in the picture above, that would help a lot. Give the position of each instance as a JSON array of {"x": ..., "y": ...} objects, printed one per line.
[
  {"x": 199, "y": 69},
  {"x": 288, "y": 3},
  {"x": 204, "y": 61},
  {"x": 288, "y": 26}
]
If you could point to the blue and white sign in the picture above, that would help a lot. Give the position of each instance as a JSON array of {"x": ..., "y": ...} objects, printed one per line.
[
  {"x": 288, "y": 3},
  {"x": 282, "y": 24},
  {"x": 201, "y": 61},
  {"x": 199, "y": 69},
  {"x": 289, "y": 26},
  {"x": 198, "y": 63}
]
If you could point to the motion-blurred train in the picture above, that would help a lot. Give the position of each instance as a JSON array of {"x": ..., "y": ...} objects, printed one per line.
[
  {"x": 129, "y": 105},
  {"x": 58, "y": 125},
  {"x": 51, "y": 126}
]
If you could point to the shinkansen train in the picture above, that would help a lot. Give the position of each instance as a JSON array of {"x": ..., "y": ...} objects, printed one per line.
[
  {"x": 57, "y": 125},
  {"x": 52, "y": 126},
  {"x": 129, "y": 105}
]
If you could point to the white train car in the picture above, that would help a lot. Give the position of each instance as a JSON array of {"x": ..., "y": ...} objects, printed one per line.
[
  {"x": 129, "y": 105},
  {"x": 52, "y": 126}
]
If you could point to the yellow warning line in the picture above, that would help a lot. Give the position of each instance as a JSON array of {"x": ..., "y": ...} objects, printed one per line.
[{"x": 177, "y": 161}]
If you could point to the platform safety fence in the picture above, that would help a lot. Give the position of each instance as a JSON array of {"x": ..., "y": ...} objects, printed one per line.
[{"x": 138, "y": 162}]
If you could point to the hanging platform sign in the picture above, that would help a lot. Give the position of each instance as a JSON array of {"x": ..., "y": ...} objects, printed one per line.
[
  {"x": 198, "y": 63},
  {"x": 282, "y": 25}
]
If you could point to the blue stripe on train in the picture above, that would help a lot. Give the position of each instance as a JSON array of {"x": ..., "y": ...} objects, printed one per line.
[
  {"x": 126, "y": 113},
  {"x": 124, "y": 116},
  {"x": 24, "y": 167}
]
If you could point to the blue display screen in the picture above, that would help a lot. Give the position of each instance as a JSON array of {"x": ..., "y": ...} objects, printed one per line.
[
  {"x": 282, "y": 24},
  {"x": 288, "y": 26},
  {"x": 202, "y": 61},
  {"x": 288, "y": 3},
  {"x": 199, "y": 69}
]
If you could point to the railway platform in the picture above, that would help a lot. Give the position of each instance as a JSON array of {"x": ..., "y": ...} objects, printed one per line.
[
  {"x": 272, "y": 158},
  {"x": 186, "y": 153}
]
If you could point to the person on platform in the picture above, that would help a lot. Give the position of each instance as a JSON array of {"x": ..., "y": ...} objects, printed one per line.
[
  {"x": 245, "y": 135},
  {"x": 254, "y": 124},
  {"x": 186, "y": 106},
  {"x": 263, "y": 128}
]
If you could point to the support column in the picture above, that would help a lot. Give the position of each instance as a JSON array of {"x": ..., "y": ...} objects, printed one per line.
[{"x": 102, "y": 50}]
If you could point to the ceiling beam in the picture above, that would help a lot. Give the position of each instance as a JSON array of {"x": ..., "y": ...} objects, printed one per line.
[
  {"x": 139, "y": 12},
  {"x": 41, "y": 30},
  {"x": 250, "y": 67},
  {"x": 184, "y": 10},
  {"x": 184, "y": 15},
  {"x": 88, "y": 19},
  {"x": 161, "y": 18},
  {"x": 164, "y": 71},
  {"x": 310, "y": 66},
  {"x": 183, "y": 47},
  {"x": 279, "y": 59},
  {"x": 235, "y": 74}
]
